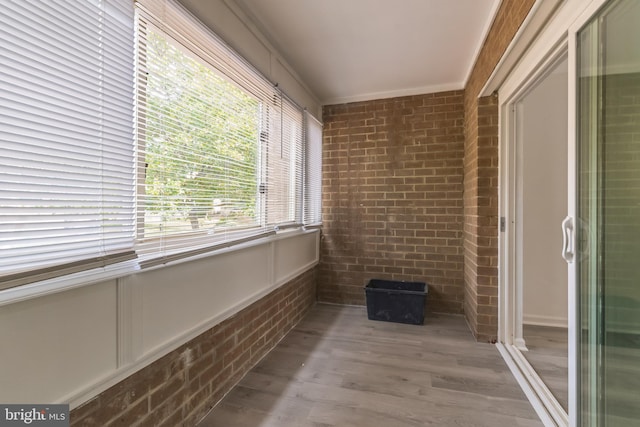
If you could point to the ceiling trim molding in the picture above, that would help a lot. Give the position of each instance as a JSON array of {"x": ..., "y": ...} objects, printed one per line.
[
  {"x": 539, "y": 15},
  {"x": 481, "y": 40},
  {"x": 372, "y": 96}
]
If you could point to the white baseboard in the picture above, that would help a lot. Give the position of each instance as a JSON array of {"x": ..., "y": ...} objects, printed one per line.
[{"x": 556, "y": 322}]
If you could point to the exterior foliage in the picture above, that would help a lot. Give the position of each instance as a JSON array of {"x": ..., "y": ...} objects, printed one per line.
[{"x": 202, "y": 144}]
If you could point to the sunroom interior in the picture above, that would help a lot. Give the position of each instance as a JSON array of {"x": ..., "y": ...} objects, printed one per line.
[{"x": 194, "y": 195}]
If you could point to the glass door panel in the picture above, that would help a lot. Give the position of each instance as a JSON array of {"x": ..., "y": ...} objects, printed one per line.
[{"x": 608, "y": 215}]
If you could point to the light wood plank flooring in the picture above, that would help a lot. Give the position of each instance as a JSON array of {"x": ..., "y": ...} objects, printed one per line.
[
  {"x": 336, "y": 368},
  {"x": 548, "y": 355}
]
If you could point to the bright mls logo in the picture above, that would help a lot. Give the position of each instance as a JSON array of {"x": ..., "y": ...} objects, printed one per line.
[{"x": 34, "y": 415}]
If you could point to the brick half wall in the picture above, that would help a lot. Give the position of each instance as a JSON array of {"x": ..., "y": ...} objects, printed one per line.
[{"x": 182, "y": 386}]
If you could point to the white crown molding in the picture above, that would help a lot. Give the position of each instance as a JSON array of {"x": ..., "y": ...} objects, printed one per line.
[{"x": 422, "y": 90}]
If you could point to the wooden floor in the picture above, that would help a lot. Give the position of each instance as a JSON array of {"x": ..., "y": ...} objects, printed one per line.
[
  {"x": 336, "y": 368},
  {"x": 548, "y": 355}
]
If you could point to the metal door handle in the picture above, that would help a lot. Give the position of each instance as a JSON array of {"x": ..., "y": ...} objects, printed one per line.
[{"x": 567, "y": 239}]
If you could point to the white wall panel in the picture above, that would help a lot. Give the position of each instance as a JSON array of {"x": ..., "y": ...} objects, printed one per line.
[
  {"x": 295, "y": 254},
  {"x": 225, "y": 22},
  {"x": 545, "y": 201},
  {"x": 179, "y": 298},
  {"x": 281, "y": 74},
  {"x": 71, "y": 345},
  {"x": 228, "y": 21},
  {"x": 54, "y": 345}
]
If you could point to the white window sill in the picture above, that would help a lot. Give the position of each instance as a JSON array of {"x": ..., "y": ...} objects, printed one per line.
[{"x": 112, "y": 272}]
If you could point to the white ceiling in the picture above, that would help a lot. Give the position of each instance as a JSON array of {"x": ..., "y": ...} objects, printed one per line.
[{"x": 353, "y": 50}]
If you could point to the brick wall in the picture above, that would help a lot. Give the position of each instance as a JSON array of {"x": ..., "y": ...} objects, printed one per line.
[
  {"x": 181, "y": 387},
  {"x": 481, "y": 176},
  {"x": 392, "y": 197},
  {"x": 381, "y": 221}
]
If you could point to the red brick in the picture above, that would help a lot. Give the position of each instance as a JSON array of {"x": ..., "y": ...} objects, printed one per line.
[
  {"x": 169, "y": 393},
  {"x": 375, "y": 226},
  {"x": 481, "y": 161}
]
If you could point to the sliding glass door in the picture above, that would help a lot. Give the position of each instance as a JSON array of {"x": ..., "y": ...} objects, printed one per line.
[{"x": 608, "y": 215}]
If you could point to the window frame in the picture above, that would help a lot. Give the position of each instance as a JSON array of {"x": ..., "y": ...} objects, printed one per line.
[
  {"x": 171, "y": 20},
  {"x": 36, "y": 281},
  {"x": 75, "y": 114}
]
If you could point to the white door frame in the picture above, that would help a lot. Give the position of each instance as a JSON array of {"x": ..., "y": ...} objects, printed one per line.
[
  {"x": 511, "y": 338},
  {"x": 557, "y": 39}
]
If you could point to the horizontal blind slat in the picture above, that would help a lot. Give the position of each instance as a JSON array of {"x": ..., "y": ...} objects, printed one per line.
[
  {"x": 313, "y": 171},
  {"x": 200, "y": 143},
  {"x": 66, "y": 126}
]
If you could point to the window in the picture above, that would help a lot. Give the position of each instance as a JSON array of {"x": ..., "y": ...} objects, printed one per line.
[
  {"x": 283, "y": 165},
  {"x": 313, "y": 172},
  {"x": 133, "y": 134},
  {"x": 220, "y": 148},
  {"x": 66, "y": 137},
  {"x": 199, "y": 145}
]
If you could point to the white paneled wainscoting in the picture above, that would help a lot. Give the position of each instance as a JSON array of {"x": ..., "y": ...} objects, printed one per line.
[{"x": 70, "y": 345}]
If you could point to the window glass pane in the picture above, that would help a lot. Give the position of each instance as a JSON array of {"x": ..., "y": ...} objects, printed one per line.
[
  {"x": 608, "y": 149},
  {"x": 220, "y": 148},
  {"x": 200, "y": 146},
  {"x": 313, "y": 171},
  {"x": 284, "y": 165}
]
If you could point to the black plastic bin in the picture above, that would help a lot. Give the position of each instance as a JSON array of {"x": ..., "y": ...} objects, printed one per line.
[{"x": 392, "y": 301}]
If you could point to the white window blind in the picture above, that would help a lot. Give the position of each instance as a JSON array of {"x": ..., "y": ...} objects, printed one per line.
[
  {"x": 283, "y": 153},
  {"x": 220, "y": 149},
  {"x": 66, "y": 137},
  {"x": 313, "y": 171}
]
